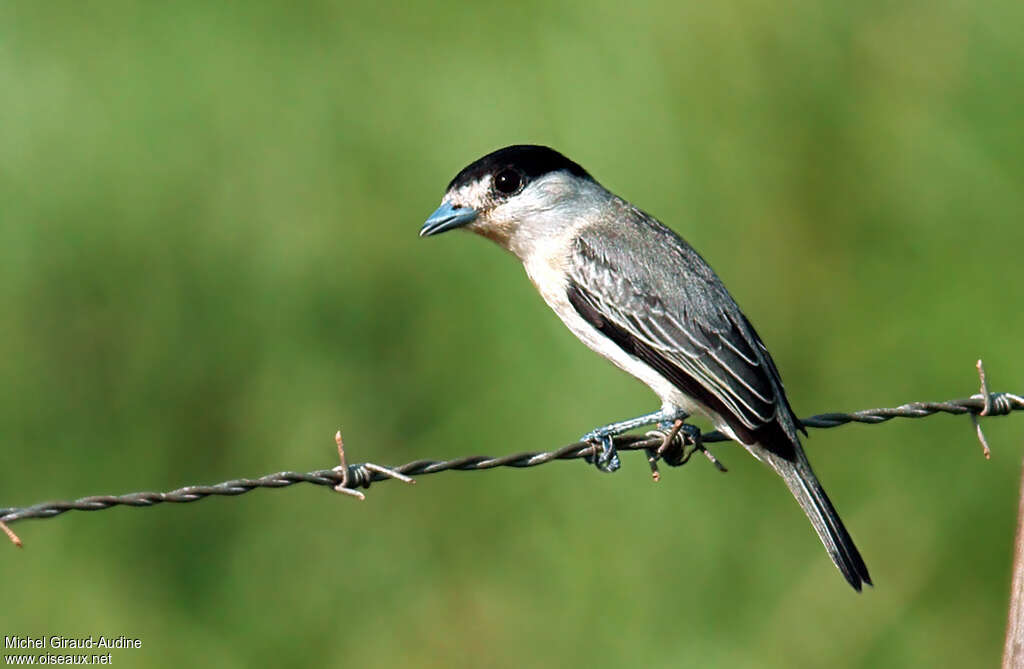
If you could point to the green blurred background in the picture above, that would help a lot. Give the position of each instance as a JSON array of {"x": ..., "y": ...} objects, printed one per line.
[{"x": 209, "y": 262}]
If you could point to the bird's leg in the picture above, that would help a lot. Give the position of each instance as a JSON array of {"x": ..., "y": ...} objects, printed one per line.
[{"x": 608, "y": 459}]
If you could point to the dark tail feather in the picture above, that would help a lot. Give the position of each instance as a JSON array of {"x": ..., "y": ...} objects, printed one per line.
[{"x": 812, "y": 498}]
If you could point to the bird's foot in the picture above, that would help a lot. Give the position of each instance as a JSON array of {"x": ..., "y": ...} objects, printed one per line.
[{"x": 608, "y": 459}]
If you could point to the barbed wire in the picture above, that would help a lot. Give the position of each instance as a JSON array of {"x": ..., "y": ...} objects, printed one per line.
[{"x": 348, "y": 478}]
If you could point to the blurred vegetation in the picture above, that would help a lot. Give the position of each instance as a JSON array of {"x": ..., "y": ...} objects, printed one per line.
[{"x": 209, "y": 261}]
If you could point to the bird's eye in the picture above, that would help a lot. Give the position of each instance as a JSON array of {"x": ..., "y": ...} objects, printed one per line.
[{"x": 508, "y": 182}]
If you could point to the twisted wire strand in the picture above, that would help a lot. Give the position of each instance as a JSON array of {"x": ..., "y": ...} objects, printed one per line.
[{"x": 362, "y": 475}]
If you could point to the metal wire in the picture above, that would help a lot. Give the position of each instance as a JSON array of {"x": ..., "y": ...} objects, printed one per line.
[{"x": 362, "y": 475}]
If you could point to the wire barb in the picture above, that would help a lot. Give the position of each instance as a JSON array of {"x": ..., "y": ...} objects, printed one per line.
[
  {"x": 347, "y": 478},
  {"x": 359, "y": 475},
  {"x": 11, "y": 535},
  {"x": 653, "y": 455},
  {"x": 986, "y": 411}
]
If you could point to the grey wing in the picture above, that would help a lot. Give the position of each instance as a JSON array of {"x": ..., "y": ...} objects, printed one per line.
[{"x": 655, "y": 297}]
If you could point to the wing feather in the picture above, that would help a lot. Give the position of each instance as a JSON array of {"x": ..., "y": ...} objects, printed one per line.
[{"x": 658, "y": 299}]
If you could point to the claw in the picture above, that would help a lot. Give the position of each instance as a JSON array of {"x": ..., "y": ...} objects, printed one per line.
[{"x": 608, "y": 459}]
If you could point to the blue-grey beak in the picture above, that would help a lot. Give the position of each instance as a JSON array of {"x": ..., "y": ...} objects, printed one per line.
[{"x": 447, "y": 217}]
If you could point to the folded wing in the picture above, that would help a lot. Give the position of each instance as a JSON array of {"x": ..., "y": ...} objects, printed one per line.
[{"x": 656, "y": 298}]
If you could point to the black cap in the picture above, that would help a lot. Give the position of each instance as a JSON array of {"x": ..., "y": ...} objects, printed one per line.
[{"x": 529, "y": 160}]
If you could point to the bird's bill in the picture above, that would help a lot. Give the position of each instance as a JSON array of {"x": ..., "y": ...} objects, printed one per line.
[{"x": 447, "y": 217}]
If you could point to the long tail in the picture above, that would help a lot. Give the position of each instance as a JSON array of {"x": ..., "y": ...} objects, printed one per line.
[{"x": 812, "y": 498}]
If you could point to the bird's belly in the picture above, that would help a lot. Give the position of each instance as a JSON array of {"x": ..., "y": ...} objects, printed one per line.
[{"x": 550, "y": 283}]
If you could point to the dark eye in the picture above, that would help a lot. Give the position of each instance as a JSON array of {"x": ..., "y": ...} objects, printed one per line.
[{"x": 508, "y": 182}]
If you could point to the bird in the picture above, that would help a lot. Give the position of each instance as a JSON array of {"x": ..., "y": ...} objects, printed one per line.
[{"x": 635, "y": 292}]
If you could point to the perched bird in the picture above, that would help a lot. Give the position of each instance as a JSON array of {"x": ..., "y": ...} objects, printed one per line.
[{"x": 638, "y": 294}]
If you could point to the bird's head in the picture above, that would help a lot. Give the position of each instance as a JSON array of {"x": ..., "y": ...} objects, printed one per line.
[{"x": 519, "y": 190}]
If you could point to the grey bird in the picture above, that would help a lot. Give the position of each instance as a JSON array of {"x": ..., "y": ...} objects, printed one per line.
[{"x": 638, "y": 294}]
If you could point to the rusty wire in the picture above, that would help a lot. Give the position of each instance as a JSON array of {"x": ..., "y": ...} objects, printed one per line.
[{"x": 348, "y": 478}]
